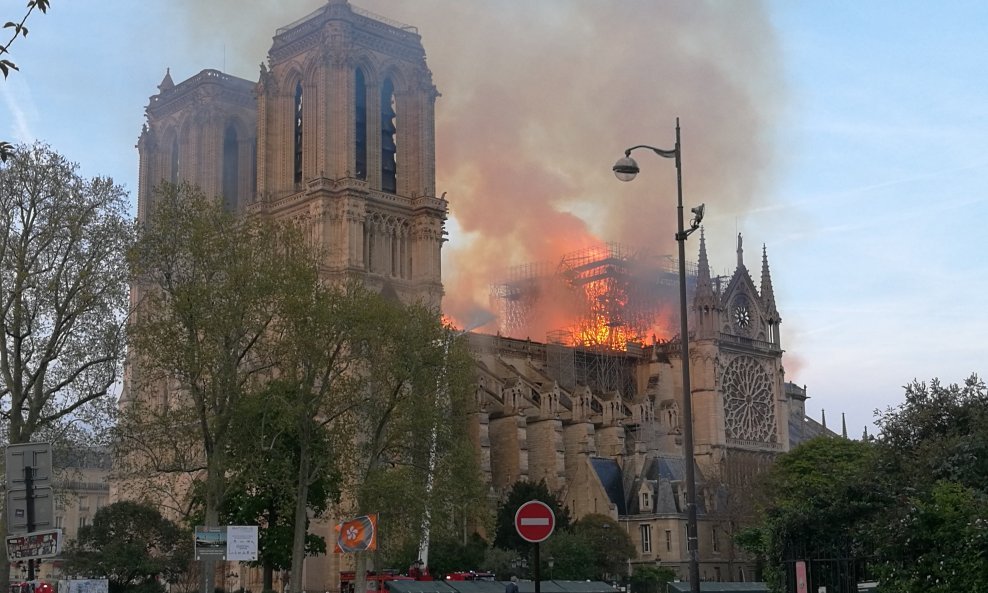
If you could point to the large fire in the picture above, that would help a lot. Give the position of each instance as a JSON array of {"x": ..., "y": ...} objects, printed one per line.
[{"x": 602, "y": 298}]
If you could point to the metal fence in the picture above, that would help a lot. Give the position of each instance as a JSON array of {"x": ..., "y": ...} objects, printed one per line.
[{"x": 828, "y": 575}]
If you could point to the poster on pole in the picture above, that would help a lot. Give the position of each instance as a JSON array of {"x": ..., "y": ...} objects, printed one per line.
[
  {"x": 241, "y": 543},
  {"x": 210, "y": 542},
  {"x": 34, "y": 545},
  {"x": 356, "y": 535}
]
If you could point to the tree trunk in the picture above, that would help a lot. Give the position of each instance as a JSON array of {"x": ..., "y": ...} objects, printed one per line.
[{"x": 301, "y": 517}]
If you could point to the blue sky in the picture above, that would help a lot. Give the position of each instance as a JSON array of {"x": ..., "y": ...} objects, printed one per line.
[{"x": 871, "y": 199}]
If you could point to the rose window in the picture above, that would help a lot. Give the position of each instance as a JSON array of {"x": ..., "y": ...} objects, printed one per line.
[{"x": 749, "y": 409}]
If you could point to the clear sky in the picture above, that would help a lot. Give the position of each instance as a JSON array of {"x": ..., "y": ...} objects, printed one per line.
[{"x": 849, "y": 137}]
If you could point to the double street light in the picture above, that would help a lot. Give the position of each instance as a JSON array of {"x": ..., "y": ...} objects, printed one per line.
[{"x": 626, "y": 169}]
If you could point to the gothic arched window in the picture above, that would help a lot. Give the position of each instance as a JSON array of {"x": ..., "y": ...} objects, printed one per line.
[
  {"x": 174, "y": 175},
  {"x": 298, "y": 132},
  {"x": 231, "y": 167},
  {"x": 389, "y": 146},
  {"x": 360, "y": 135}
]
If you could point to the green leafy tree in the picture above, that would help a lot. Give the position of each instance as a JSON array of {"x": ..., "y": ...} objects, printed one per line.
[
  {"x": 818, "y": 501},
  {"x": 63, "y": 300},
  {"x": 132, "y": 546},
  {"x": 417, "y": 468},
  {"x": 939, "y": 433},
  {"x": 611, "y": 544},
  {"x": 505, "y": 534},
  {"x": 19, "y": 30},
  {"x": 261, "y": 486},
  {"x": 651, "y": 579},
  {"x": 937, "y": 545},
  {"x": 932, "y": 451},
  {"x": 452, "y": 554},
  {"x": 573, "y": 556},
  {"x": 210, "y": 290},
  {"x": 63, "y": 294}
]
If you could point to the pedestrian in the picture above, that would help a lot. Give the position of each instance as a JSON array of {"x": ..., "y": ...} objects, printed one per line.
[{"x": 512, "y": 586}]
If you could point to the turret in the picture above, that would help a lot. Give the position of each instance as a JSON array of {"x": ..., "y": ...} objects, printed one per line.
[
  {"x": 706, "y": 303},
  {"x": 768, "y": 299}
]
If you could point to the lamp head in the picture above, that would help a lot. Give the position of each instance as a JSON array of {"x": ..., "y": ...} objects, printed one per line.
[
  {"x": 626, "y": 168},
  {"x": 698, "y": 214}
]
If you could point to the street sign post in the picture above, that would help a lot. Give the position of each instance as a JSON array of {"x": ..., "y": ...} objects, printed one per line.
[
  {"x": 28, "y": 473},
  {"x": 17, "y": 511},
  {"x": 37, "y": 456},
  {"x": 535, "y": 521}
]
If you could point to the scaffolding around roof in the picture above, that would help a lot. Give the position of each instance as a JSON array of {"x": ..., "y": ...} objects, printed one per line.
[{"x": 611, "y": 295}]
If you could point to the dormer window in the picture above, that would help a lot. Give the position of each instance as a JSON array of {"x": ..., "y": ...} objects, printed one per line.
[{"x": 646, "y": 499}]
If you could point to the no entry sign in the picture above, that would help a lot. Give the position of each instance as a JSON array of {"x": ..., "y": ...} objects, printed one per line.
[{"x": 534, "y": 521}]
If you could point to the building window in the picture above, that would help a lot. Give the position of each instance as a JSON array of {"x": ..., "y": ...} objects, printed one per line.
[
  {"x": 174, "y": 175},
  {"x": 715, "y": 539},
  {"x": 645, "y": 506},
  {"x": 83, "y": 521},
  {"x": 646, "y": 533},
  {"x": 231, "y": 167},
  {"x": 58, "y": 522},
  {"x": 668, "y": 540},
  {"x": 360, "y": 135},
  {"x": 298, "y": 132},
  {"x": 389, "y": 144}
]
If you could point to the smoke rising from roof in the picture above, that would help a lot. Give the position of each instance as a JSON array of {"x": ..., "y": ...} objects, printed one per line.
[{"x": 540, "y": 98}]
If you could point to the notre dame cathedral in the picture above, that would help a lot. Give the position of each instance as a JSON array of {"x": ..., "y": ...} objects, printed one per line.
[{"x": 337, "y": 134}]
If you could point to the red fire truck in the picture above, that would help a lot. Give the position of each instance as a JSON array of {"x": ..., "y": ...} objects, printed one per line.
[{"x": 375, "y": 580}]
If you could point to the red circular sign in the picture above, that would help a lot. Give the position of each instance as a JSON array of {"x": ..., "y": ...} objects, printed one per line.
[{"x": 534, "y": 521}]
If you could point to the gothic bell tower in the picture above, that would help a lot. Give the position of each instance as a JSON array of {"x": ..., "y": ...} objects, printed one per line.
[
  {"x": 738, "y": 378},
  {"x": 346, "y": 148}
]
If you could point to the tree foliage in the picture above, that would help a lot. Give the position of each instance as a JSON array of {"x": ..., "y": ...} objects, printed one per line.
[
  {"x": 611, "y": 544},
  {"x": 505, "y": 534},
  {"x": 19, "y": 30},
  {"x": 821, "y": 499},
  {"x": 651, "y": 579},
  {"x": 131, "y": 545},
  {"x": 244, "y": 356},
  {"x": 63, "y": 295},
  {"x": 910, "y": 503},
  {"x": 209, "y": 288},
  {"x": 415, "y": 465}
]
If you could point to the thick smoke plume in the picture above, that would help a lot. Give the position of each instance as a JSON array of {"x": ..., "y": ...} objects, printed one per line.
[{"x": 538, "y": 101}]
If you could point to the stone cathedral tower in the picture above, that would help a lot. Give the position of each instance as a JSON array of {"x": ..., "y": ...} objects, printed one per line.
[{"x": 337, "y": 136}]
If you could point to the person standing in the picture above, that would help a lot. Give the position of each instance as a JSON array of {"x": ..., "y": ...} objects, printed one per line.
[{"x": 512, "y": 586}]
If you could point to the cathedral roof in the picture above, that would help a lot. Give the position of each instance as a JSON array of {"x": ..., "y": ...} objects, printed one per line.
[{"x": 609, "y": 473}]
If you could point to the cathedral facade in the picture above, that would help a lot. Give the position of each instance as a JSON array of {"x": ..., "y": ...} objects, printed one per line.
[
  {"x": 337, "y": 135},
  {"x": 604, "y": 429}
]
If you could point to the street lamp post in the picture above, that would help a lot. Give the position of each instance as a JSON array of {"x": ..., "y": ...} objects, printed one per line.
[{"x": 626, "y": 169}]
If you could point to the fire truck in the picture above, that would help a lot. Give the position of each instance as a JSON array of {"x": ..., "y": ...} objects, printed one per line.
[
  {"x": 376, "y": 580},
  {"x": 470, "y": 576}
]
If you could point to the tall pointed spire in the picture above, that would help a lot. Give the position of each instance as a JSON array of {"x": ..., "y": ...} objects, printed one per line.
[
  {"x": 740, "y": 252},
  {"x": 843, "y": 425},
  {"x": 702, "y": 266},
  {"x": 768, "y": 294},
  {"x": 823, "y": 417},
  {"x": 705, "y": 300},
  {"x": 167, "y": 83}
]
